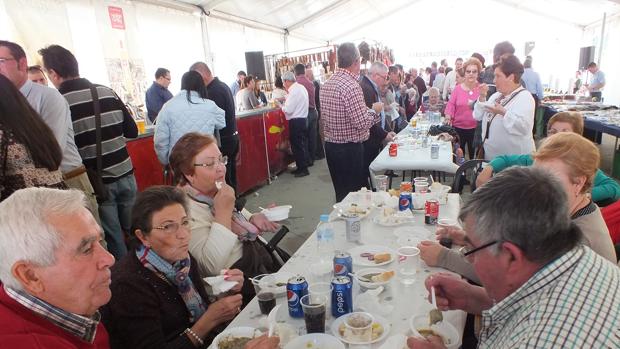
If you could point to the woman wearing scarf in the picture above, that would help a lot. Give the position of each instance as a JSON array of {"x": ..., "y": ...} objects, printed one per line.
[
  {"x": 223, "y": 237},
  {"x": 158, "y": 299}
]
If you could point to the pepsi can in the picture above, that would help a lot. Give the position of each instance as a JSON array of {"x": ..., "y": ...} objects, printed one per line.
[
  {"x": 343, "y": 263},
  {"x": 342, "y": 296},
  {"x": 296, "y": 288},
  {"x": 405, "y": 201}
]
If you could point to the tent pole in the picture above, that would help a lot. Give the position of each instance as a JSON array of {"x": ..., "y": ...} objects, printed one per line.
[{"x": 600, "y": 50}]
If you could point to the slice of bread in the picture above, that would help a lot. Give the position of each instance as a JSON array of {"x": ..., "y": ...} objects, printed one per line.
[
  {"x": 382, "y": 257},
  {"x": 383, "y": 277}
]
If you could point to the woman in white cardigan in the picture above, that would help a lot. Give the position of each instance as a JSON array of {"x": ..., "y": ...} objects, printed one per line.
[
  {"x": 222, "y": 236},
  {"x": 508, "y": 116}
]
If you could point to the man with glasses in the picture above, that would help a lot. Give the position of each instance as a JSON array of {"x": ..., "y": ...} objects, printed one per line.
[
  {"x": 541, "y": 287},
  {"x": 157, "y": 95},
  {"x": 373, "y": 85}
]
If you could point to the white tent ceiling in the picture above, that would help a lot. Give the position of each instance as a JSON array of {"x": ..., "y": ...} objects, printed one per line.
[{"x": 334, "y": 20}]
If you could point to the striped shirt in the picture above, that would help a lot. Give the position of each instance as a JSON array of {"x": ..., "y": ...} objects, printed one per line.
[
  {"x": 573, "y": 302},
  {"x": 80, "y": 326},
  {"x": 343, "y": 111},
  {"x": 116, "y": 124}
]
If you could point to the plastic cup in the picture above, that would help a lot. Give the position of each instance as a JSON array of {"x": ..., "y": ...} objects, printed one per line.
[
  {"x": 322, "y": 271},
  {"x": 408, "y": 263},
  {"x": 358, "y": 327},
  {"x": 323, "y": 289},
  {"x": 315, "y": 311},
  {"x": 381, "y": 182},
  {"x": 265, "y": 287},
  {"x": 421, "y": 187},
  {"x": 446, "y": 222}
]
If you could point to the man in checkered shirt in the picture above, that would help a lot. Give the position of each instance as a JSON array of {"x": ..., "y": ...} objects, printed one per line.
[
  {"x": 347, "y": 122},
  {"x": 542, "y": 287}
]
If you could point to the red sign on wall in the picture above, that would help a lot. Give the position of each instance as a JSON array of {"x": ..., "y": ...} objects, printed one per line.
[{"x": 116, "y": 17}]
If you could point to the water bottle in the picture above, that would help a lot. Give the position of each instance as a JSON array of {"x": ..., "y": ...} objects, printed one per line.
[{"x": 325, "y": 238}]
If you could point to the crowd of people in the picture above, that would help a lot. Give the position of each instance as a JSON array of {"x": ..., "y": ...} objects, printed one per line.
[{"x": 94, "y": 264}]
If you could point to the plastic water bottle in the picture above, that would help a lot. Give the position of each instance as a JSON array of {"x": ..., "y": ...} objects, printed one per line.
[{"x": 325, "y": 238}]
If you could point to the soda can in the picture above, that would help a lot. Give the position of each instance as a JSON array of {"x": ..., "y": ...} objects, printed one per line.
[
  {"x": 435, "y": 151},
  {"x": 405, "y": 201},
  {"x": 393, "y": 150},
  {"x": 296, "y": 287},
  {"x": 353, "y": 227},
  {"x": 343, "y": 263},
  {"x": 431, "y": 211},
  {"x": 342, "y": 296}
]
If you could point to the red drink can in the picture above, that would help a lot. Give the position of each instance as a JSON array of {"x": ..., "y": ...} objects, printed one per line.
[
  {"x": 431, "y": 211},
  {"x": 393, "y": 149}
]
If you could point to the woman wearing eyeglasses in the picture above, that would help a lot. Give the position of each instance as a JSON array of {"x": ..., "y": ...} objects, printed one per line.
[
  {"x": 223, "y": 236},
  {"x": 188, "y": 111},
  {"x": 574, "y": 161},
  {"x": 158, "y": 298},
  {"x": 459, "y": 110},
  {"x": 605, "y": 190}
]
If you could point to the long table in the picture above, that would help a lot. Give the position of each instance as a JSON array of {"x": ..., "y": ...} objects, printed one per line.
[
  {"x": 409, "y": 158},
  {"x": 406, "y": 300}
]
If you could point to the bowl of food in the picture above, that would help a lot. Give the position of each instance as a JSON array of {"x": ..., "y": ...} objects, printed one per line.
[
  {"x": 278, "y": 213},
  {"x": 421, "y": 328},
  {"x": 315, "y": 341},
  {"x": 235, "y": 338},
  {"x": 373, "y": 277},
  {"x": 352, "y": 209},
  {"x": 360, "y": 328}
]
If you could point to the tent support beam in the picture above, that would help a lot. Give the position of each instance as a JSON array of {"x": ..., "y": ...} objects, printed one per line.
[
  {"x": 317, "y": 14},
  {"x": 600, "y": 47}
]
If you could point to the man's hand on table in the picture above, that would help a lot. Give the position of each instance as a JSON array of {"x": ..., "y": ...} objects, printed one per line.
[
  {"x": 429, "y": 252},
  {"x": 432, "y": 342},
  {"x": 390, "y": 137},
  {"x": 455, "y": 233}
]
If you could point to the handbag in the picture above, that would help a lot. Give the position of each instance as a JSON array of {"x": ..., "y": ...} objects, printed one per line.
[
  {"x": 480, "y": 152},
  {"x": 95, "y": 176}
]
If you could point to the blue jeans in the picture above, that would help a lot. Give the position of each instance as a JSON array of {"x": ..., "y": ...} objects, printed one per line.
[{"x": 115, "y": 214}]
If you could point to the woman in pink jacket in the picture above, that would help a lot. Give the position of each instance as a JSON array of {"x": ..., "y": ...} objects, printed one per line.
[{"x": 460, "y": 107}]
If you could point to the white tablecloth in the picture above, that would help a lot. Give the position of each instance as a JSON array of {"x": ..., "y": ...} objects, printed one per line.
[
  {"x": 407, "y": 301},
  {"x": 414, "y": 159}
]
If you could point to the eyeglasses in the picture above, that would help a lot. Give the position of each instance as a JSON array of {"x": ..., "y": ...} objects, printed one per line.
[
  {"x": 221, "y": 160},
  {"x": 4, "y": 60},
  {"x": 173, "y": 227},
  {"x": 465, "y": 251},
  {"x": 471, "y": 72},
  {"x": 167, "y": 78}
]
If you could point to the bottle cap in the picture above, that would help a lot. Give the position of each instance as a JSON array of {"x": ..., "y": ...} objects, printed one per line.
[{"x": 324, "y": 218}]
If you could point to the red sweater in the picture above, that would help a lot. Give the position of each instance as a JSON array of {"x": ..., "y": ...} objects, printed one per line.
[{"x": 22, "y": 328}]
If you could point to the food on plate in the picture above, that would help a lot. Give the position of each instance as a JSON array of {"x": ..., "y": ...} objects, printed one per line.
[
  {"x": 359, "y": 335},
  {"x": 388, "y": 211},
  {"x": 394, "y": 192},
  {"x": 427, "y": 332},
  {"x": 380, "y": 277},
  {"x": 392, "y": 217},
  {"x": 233, "y": 342},
  {"x": 382, "y": 257}
]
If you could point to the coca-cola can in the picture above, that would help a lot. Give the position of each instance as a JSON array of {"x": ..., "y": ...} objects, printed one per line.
[
  {"x": 393, "y": 150},
  {"x": 431, "y": 211}
]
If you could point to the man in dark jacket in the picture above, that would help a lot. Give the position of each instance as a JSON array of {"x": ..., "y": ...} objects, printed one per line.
[
  {"x": 372, "y": 85},
  {"x": 219, "y": 93}
]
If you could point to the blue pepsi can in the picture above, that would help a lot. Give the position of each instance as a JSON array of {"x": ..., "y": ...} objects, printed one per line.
[
  {"x": 405, "y": 201},
  {"x": 343, "y": 263},
  {"x": 296, "y": 288},
  {"x": 342, "y": 295}
]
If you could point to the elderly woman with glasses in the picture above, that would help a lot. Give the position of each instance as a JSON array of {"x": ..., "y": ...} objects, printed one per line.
[
  {"x": 158, "y": 297},
  {"x": 223, "y": 236},
  {"x": 574, "y": 161},
  {"x": 459, "y": 110},
  {"x": 605, "y": 190}
]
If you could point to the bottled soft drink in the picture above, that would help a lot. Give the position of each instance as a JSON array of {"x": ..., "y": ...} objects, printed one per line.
[{"x": 325, "y": 238}]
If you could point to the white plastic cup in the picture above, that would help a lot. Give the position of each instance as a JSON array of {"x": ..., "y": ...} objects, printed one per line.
[
  {"x": 381, "y": 182},
  {"x": 408, "y": 264}
]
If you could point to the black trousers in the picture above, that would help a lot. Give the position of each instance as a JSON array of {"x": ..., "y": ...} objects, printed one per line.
[
  {"x": 230, "y": 148},
  {"x": 536, "y": 104},
  {"x": 299, "y": 144},
  {"x": 346, "y": 167},
  {"x": 466, "y": 136},
  {"x": 313, "y": 127}
]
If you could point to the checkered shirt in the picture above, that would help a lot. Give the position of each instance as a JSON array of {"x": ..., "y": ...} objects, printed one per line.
[
  {"x": 343, "y": 111},
  {"x": 573, "y": 302},
  {"x": 79, "y": 326}
]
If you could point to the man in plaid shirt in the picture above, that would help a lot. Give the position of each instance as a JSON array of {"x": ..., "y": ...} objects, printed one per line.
[
  {"x": 542, "y": 287},
  {"x": 347, "y": 122}
]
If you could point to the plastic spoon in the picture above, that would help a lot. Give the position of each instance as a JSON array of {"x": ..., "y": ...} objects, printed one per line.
[
  {"x": 271, "y": 319},
  {"x": 435, "y": 314}
]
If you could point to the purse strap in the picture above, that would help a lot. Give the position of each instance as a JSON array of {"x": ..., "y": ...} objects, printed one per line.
[
  {"x": 97, "y": 109},
  {"x": 4, "y": 143},
  {"x": 503, "y": 104}
]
